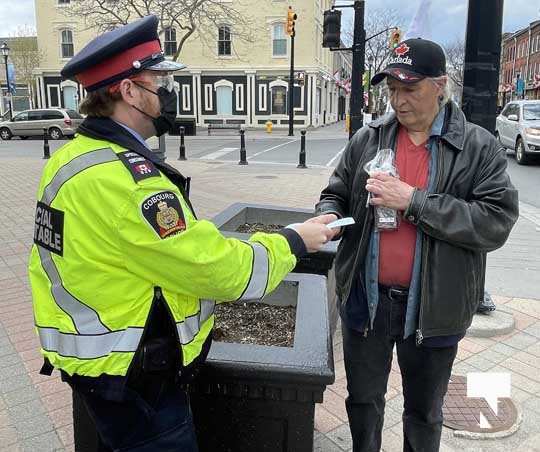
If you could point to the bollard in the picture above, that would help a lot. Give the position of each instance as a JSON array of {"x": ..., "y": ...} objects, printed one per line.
[
  {"x": 243, "y": 160},
  {"x": 302, "y": 156},
  {"x": 182, "y": 155},
  {"x": 46, "y": 150}
]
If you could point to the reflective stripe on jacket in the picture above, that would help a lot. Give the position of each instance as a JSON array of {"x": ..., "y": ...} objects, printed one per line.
[{"x": 105, "y": 240}]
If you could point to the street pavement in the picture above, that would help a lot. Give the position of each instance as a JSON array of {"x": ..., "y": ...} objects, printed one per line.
[{"x": 35, "y": 411}]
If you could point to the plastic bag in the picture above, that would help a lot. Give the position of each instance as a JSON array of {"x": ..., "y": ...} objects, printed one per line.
[{"x": 383, "y": 162}]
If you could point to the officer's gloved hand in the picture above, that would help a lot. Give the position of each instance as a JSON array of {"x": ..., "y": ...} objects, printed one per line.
[{"x": 314, "y": 234}]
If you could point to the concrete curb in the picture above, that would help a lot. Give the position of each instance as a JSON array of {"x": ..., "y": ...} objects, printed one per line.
[{"x": 496, "y": 323}]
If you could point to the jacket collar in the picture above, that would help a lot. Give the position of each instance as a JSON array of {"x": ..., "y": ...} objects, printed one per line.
[
  {"x": 453, "y": 130},
  {"x": 109, "y": 130}
]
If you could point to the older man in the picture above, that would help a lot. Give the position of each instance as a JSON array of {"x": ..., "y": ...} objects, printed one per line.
[{"x": 417, "y": 286}]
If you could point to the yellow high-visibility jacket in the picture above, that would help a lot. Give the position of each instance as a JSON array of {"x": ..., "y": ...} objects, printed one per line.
[{"x": 112, "y": 232}]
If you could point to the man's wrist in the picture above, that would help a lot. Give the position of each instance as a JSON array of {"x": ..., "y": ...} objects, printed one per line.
[{"x": 413, "y": 213}]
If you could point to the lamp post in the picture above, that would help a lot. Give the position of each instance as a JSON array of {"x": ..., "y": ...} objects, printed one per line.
[{"x": 5, "y": 52}]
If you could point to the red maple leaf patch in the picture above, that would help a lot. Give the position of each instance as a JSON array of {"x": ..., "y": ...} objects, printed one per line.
[{"x": 402, "y": 49}]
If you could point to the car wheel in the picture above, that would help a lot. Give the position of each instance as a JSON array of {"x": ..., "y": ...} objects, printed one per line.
[
  {"x": 5, "y": 133},
  {"x": 521, "y": 157},
  {"x": 55, "y": 133}
]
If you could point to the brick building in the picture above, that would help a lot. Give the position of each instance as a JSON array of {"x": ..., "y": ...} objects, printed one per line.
[{"x": 520, "y": 60}]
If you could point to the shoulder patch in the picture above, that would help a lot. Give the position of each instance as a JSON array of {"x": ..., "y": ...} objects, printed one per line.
[
  {"x": 140, "y": 167},
  {"x": 164, "y": 213},
  {"x": 49, "y": 228}
]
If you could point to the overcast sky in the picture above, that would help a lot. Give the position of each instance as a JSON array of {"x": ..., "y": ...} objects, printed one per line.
[{"x": 448, "y": 17}]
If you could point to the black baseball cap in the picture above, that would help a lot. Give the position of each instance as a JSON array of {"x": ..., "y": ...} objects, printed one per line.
[{"x": 413, "y": 60}]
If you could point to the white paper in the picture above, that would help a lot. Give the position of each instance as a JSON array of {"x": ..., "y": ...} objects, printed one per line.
[{"x": 341, "y": 222}]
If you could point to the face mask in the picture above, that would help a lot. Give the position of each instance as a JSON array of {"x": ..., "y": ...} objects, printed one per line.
[
  {"x": 167, "y": 101},
  {"x": 165, "y": 121}
]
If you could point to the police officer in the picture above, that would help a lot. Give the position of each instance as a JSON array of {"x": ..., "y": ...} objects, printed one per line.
[{"x": 123, "y": 274}]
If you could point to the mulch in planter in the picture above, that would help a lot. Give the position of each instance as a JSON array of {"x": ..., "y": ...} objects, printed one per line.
[
  {"x": 251, "y": 228},
  {"x": 255, "y": 323}
]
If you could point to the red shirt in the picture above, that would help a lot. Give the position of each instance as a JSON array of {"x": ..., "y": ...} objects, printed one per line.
[{"x": 396, "y": 247}]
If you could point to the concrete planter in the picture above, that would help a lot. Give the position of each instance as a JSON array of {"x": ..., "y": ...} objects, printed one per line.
[
  {"x": 320, "y": 263},
  {"x": 255, "y": 398}
]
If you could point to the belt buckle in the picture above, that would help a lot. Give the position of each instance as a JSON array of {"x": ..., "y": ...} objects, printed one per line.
[{"x": 397, "y": 294}]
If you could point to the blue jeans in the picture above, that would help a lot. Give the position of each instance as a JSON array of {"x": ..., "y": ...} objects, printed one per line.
[{"x": 160, "y": 419}]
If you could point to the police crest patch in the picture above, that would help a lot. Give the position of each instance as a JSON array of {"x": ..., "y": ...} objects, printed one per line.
[{"x": 164, "y": 213}]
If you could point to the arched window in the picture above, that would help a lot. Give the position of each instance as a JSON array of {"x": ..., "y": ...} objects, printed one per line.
[
  {"x": 224, "y": 40},
  {"x": 66, "y": 38},
  {"x": 224, "y": 100},
  {"x": 279, "y": 100},
  {"x": 170, "y": 42}
]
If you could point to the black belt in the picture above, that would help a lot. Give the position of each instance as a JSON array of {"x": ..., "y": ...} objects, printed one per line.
[{"x": 395, "y": 293}]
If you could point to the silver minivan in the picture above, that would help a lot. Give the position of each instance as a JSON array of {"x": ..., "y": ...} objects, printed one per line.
[
  {"x": 58, "y": 122},
  {"x": 518, "y": 128}
]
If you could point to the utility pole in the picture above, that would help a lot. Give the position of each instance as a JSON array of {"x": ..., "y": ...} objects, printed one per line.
[
  {"x": 482, "y": 62},
  {"x": 291, "y": 18},
  {"x": 358, "y": 49}
]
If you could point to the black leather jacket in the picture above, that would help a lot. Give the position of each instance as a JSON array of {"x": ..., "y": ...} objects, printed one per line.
[{"x": 471, "y": 213}]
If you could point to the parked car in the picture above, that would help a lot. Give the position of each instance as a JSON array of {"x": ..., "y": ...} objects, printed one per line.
[
  {"x": 518, "y": 128},
  {"x": 58, "y": 121}
]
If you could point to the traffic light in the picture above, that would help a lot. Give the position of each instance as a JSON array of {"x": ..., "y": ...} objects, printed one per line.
[
  {"x": 332, "y": 29},
  {"x": 291, "y": 17},
  {"x": 395, "y": 38}
]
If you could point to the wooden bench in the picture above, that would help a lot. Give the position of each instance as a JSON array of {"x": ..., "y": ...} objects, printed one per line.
[{"x": 223, "y": 126}]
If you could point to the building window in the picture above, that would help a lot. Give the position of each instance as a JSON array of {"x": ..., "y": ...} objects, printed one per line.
[
  {"x": 262, "y": 97},
  {"x": 224, "y": 40},
  {"x": 239, "y": 93},
  {"x": 279, "y": 40},
  {"x": 224, "y": 100},
  {"x": 170, "y": 42},
  {"x": 67, "y": 43},
  {"x": 279, "y": 100},
  {"x": 64, "y": 2}
]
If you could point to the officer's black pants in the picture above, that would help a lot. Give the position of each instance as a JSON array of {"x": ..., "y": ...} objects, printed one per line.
[
  {"x": 425, "y": 373},
  {"x": 157, "y": 418}
]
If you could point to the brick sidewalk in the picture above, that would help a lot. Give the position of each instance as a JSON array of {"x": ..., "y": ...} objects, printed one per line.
[{"x": 35, "y": 411}]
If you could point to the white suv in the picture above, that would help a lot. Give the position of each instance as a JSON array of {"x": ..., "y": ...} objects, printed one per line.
[{"x": 518, "y": 128}]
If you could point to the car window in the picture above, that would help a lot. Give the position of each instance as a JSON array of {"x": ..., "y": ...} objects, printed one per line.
[
  {"x": 73, "y": 114},
  {"x": 21, "y": 116},
  {"x": 34, "y": 116},
  {"x": 51, "y": 114},
  {"x": 531, "y": 112},
  {"x": 513, "y": 110},
  {"x": 506, "y": 110}
]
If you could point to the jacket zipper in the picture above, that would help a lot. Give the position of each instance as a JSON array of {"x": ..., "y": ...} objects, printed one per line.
[{"x": 425, "y": 252}]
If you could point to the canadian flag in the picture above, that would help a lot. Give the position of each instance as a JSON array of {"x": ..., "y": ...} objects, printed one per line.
[
  {"x": 536, "y": 82},
  {"x": 337, "y": 78}
]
